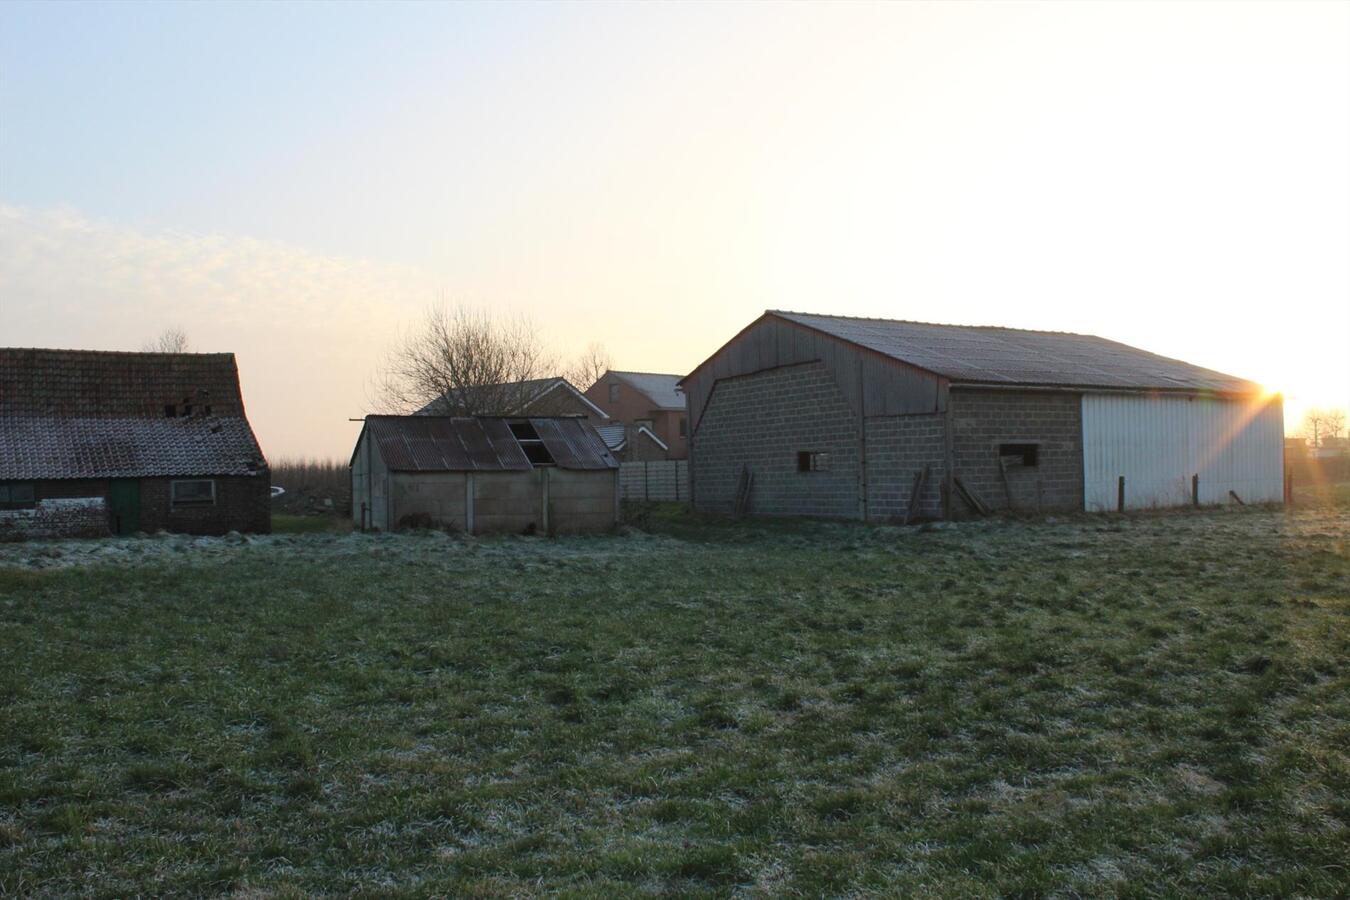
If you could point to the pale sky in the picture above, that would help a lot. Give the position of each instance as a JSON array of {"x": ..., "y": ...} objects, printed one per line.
[{"x": 293, "y": 183}]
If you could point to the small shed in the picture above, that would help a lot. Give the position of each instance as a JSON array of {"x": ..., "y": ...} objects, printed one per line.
[{"x": 483, "y": 474}]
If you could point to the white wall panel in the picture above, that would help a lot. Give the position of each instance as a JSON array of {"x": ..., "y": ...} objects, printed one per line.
[{"x": 1159, "y": 442}]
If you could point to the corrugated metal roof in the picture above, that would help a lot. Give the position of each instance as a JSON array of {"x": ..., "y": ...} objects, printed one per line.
[
  {"x": 664, "y": 390},
  {"x": 41, "y": 447},
  {"x": 991, "y": 355},
  {"x": 422, "y": 443},
  {"x": 614, "y": 436}
]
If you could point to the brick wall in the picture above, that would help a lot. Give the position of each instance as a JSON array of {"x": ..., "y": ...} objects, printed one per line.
[
  {"x": 243, "y": 503},
  {"x": 56, "y": 518},
  {"x": 898, "y": 447},
  {"x": 763, "y": 420},
  {"x": 983, "y": 419}
]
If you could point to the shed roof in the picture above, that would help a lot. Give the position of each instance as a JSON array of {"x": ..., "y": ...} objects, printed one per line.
[
  {"x": 102, "y": 414},
  {"x": 664, "y": 390},
  {"x": 423, "y": 443},
  {"x": 994, "y": 355}
]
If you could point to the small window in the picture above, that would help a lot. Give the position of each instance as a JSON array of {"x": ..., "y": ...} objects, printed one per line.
[
  {"x": 1018, "y": 454},
  {"x": 17, "y": 496},
  {"x": 198, "y": 492},
  {"x": 684, "y": 427},
  {"x": 613, "y": 392},
  {"x": 813, "y": 461},
  {"x": 530, "y": 442}
]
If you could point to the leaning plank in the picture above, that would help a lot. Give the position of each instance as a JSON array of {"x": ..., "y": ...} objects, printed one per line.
[
  {"x": 1234, "y": 495},
  {"x": 743, "y": 486},
  {"x": 915, "y": 493},
  {"x": 972, "y": 500},
  {"x": 1003, "y": 471}
]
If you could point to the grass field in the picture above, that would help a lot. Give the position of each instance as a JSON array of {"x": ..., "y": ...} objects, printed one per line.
[{"x": 1142, "y": 706}]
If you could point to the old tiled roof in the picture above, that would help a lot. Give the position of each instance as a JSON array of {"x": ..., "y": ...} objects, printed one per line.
[
  {"x": 103, "y": 383},
  {"x": 664, "y": 390},
  {"x": 990, "y": 355},
  {"x": 96, "y": 414},
  {"x": 423, "y": 443},
  {"x": 39, "y": 447}
]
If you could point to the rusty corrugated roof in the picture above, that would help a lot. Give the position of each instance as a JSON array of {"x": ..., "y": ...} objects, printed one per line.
[{"x": 482, "y": 444}]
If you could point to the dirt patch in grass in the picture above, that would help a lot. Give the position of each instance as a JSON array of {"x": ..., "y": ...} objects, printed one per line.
[{"x": 1144, "y": 705}]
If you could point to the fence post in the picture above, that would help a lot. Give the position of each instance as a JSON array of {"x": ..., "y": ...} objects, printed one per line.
[
  {"x": 1195, "y": 490},
  {"x": 646, "y": 482},
  {"x": 1120, "y": 494}
]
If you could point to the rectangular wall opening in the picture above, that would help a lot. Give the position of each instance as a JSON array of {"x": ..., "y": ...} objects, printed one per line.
[{"x": 1019, "y": 454}]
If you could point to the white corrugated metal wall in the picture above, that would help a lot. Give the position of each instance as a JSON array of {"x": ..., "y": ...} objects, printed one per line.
[{"x": 1159, "y": 442}]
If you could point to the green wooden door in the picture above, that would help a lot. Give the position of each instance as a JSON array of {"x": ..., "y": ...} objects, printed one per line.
[{"x": 124, "y": 500}]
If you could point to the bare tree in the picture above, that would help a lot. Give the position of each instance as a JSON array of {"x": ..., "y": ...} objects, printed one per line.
[
  {"x": 464, "y": 362},
  {"x": 589, "y": 367},
  {"x": 170, "y": 340},
  {"x": 1321, "y": 424}
]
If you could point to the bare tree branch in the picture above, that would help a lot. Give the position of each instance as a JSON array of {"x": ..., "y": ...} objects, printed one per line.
[
  {"x": 1319, "y": 425},
  {"x": 464, "y": 362},
  {"x": 170, "y": 340},
  {"x": 589, "y": 367}
]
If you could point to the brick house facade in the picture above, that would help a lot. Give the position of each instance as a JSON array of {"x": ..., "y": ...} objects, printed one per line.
[{"x": 638, "y": 398}]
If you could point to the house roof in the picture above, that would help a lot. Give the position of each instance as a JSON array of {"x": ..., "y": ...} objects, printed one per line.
[
  {"x": 99, "y": 414},
  {"x": 532, "y": 390},
  {"x": 993, "y": 355},
  {"x": 616, "y": 436},
  {"x": 664, "y": 390},
  {"x": 54, "y": 447},
  {"x": 424, "y": 443}
]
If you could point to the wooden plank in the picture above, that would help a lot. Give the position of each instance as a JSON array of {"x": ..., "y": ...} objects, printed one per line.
[
  {"x": 915, "y": 493},
  {"x": 971, "y": 499}
]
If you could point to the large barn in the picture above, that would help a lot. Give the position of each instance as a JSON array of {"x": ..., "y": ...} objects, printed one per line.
[
  {"x": 96, "y": 441},
  {"x": 483, "y": 473},
  {"x": 878, "y": 419}
]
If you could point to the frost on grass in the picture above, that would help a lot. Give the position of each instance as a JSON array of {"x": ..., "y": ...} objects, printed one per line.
[{"x": 1153, "y": 704}]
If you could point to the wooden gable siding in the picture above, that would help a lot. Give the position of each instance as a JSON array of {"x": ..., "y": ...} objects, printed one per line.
[{"x": 873, "y": 384}]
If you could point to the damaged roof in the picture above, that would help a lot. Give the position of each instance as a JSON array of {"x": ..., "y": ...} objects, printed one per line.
[
  {"x": 99, "y": 414},
  {"x": 993, "y": 355},
  {"x": 421, "y": 443}
]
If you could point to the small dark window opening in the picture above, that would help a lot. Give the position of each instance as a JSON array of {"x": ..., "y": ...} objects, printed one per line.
[
  {"x": 170, "y": 411},
  {"x": 17, "y": 496},
  {"x": 197, "y": 492},
  {"x": 1018, "y": 454},
  {"x": 613, "y": 392},
  {"x": 529, "y": 441},
  {"x": 684, "y": 427},
  {"x": 812, "y": 461}
]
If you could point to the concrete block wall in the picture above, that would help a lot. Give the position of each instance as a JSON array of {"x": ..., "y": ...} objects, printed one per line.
[
  {"x": 763, "y": 420},
  {"x": 56, "y": 518},
  {"x": 439, "y": 495},
  {"x": 898, "y": 447},
  {"x": 1053, "y": 420}
]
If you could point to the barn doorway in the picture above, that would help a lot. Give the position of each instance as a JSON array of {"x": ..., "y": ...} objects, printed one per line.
[{"x": 124, "y": 502}]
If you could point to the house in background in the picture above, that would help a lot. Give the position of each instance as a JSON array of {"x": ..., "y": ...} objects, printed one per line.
[
  {"x": 877, "y": 419},
  {"x": 96, "y": 441},
  {"x": 535, "y": 397},
  {"x": 481, "y": 474},
  {"x": 633, "y": 443},
  {"x": 645, "y": 400}
]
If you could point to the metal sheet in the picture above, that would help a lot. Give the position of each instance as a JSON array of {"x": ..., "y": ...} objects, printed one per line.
[
  {"x": 574, "y": 444},
  {"x": 1158, "y": 442}
]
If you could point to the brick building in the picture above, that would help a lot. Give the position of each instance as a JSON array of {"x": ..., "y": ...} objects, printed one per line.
[
  {"x": 160, "y": 438},
  {"x": 843, "y": 417},
  {"x": 648, "y": 400}
]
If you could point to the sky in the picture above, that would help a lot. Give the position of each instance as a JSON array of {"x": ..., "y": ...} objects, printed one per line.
[{"x": 298, "y": 183}]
